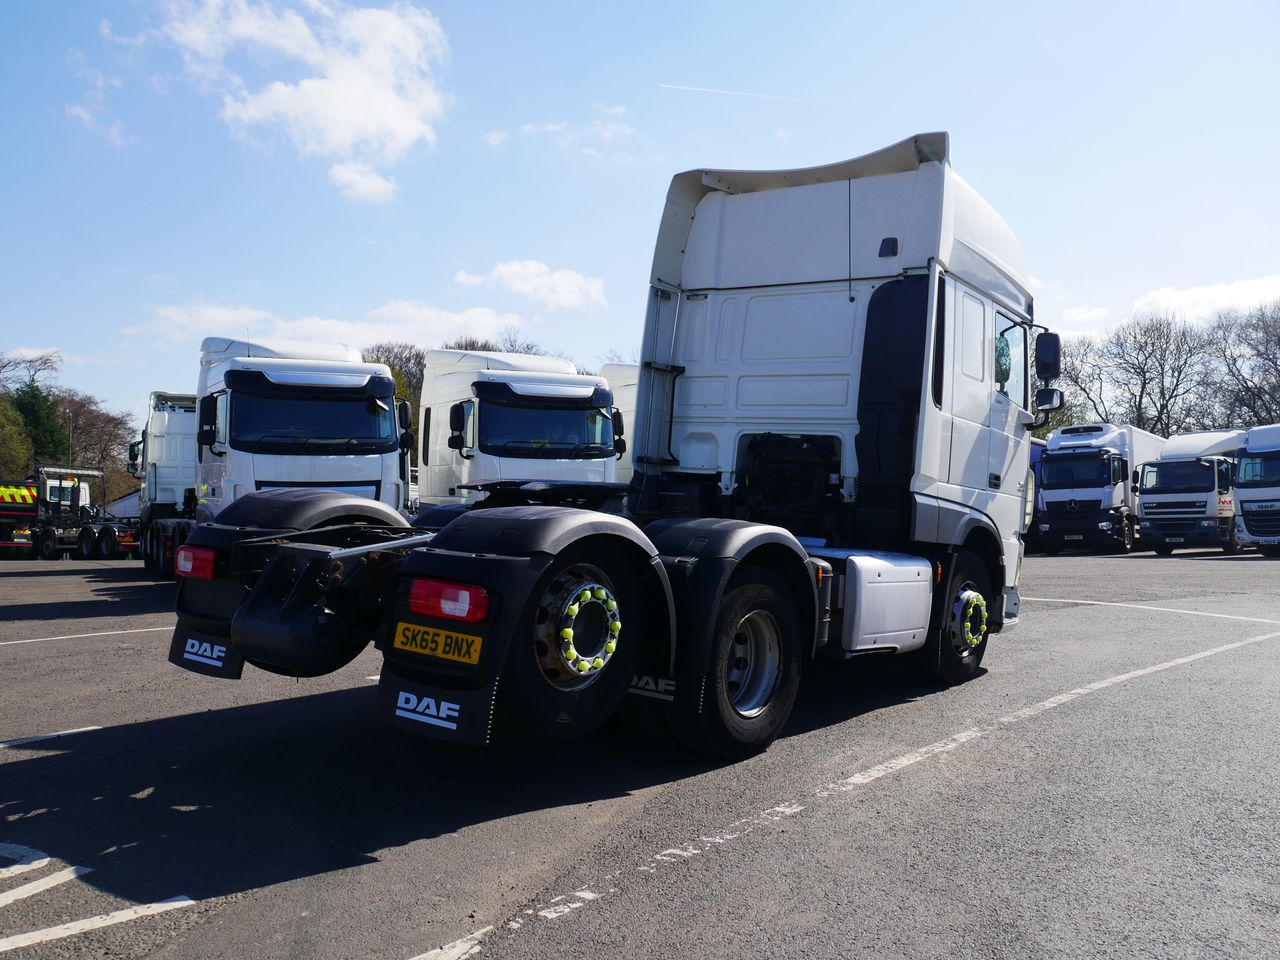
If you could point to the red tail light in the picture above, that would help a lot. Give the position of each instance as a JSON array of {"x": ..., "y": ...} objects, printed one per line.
[
  {"x": 453, "y": 601},
  {"x": 195, "y": 562}
]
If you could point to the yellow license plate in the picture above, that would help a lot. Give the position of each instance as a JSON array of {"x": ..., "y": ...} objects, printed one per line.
[{"x": 433, "y": 642}]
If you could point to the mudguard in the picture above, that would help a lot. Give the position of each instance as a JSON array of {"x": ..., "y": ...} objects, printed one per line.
[{"x": 304, "y": 508}]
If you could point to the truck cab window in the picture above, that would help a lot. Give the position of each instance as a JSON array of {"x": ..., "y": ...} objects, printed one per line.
[{"x": 1011, "y": 359}]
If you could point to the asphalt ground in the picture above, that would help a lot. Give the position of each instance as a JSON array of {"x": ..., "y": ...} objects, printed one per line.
[{"x": 1108, "y": 786}]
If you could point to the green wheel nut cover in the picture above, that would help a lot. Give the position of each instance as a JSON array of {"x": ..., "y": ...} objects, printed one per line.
[
  {"x": 583, "y": 666},
  {"x": 572, "y": 610},
  {"x": 567, "y": 633},
  {"x": 615, "y": 627},
  {"x": 610, "y": 647},
  {"x": 584, "y": 596}
]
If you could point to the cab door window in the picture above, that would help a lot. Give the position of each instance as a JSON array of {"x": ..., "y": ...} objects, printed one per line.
[{"x": 1011, "y": 359}]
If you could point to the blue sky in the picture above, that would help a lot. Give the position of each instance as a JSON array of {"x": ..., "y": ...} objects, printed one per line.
[{"x": 362, "y": 171}]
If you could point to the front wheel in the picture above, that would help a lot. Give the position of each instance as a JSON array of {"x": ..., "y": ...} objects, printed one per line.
[
  {"x": 1269, "y": 551},
  {"x": 1163, "y": 550},
  {"x": 1232, "y": 546},
  {"x": 756, "y": 658},
  {"x": 107, "y": 544},
  {"x": 958, "y": 630},
  {"x": 48, "y": 547},
  {"x": 1126, "y": 537}
]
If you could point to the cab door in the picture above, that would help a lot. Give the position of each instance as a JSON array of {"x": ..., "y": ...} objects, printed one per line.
[
  {"x": 970, "y": 393},
  {"x": 1008, "y": 446}
]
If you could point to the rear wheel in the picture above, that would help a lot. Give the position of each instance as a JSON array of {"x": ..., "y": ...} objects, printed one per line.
[
  {"x": 107, "y": 543},
  {"x": 146, "y": 545},
  {"x": 1126, "y": 537},
  {"x": 87, "y": 546},
  {"x": 166, "y": 545},
  {"x": 754, "y": 675},
  {"x": 571, "y": 662},
  {"x": 958, "y": 630},
  {"x": 1232, "y": 546},
  {"x": 48, "y": 546}
]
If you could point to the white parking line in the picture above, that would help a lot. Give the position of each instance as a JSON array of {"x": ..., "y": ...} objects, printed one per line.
[
  {"x": 79, "y": 636},
  {"x": 1139, "y": 606},
  {"x": 27, "y": 858},
  {"x": 683, "y": 852},
  {"x": 44, "y": 883},
  {"x": 92, "y": 923},
  {"x": 5, "y": 744}
]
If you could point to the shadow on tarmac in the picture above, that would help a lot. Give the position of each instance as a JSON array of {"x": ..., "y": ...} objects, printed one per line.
[
  {"x": 219, "y": 802},
  {"x": 112, "y": 592}
]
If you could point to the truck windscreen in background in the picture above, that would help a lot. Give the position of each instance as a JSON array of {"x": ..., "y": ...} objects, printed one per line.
[
  {"x": 312, "y": 424},
  {"x": 547, "y": 433},
  {"x": 1184, "y": 476},
  {"x": 1061, "y": 470},
  {"x": 1258, "y": 470}
]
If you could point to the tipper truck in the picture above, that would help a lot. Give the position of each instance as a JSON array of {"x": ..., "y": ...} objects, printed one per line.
[
  {"x": 43, "y": 514},
  {"x": 1086, "y": 494},
  {"x": 1187, "y": 497},
  {"x": 830, "y": 462},
  {"x": 1258, "y": 489}
]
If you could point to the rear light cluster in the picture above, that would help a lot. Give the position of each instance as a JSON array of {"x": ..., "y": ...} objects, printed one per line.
[
  {"x": 195, "y": 562},
  {"x": 452, "y": 601}
]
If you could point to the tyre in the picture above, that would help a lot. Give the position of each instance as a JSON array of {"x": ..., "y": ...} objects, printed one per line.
[
  {"x": 48, "y": 547},
  {"x": 166, "y": 547},
  {"x": 1163, "y": 550},
  {"x": 1232, "y": 546},
  {"x": 1126, "y": 538},
  {"x": 754, "y": 676},
  {"x": 146, "y": 545},
  {"x": 577, "y": 649},
  {"x": 107, "y": 544},
  {"x": 87, "y": 548},
  {"x": 957, "y": 638},
  {"x": 1269, "y": 551}
]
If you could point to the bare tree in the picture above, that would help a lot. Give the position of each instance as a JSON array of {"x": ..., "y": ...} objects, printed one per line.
[
  {"x": 511, "y": 340},
  {"x": 469, "y": 342},
  {"x": 97, "y": 438},
  {"x": 32, "y": 365},
  {"x": 1246, "y": 346}
]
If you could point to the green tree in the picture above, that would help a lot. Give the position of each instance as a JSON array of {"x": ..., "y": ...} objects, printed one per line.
[
  {"x": 15, "y": 445},
  {"x": 45, "y": 427}
]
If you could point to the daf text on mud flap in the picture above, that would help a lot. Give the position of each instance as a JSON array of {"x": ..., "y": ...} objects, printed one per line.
[
  {"x": 209, "y": 653},
  {"x": 426, "y": 710}
]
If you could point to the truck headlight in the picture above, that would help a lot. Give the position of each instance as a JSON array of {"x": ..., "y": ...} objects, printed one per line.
[
  {"x": 1208, "y": 523},
  {"x": 1105, "y": 525},
  {"x": 1044, "y": 528},
  {"x": 1145, "y": 524}
]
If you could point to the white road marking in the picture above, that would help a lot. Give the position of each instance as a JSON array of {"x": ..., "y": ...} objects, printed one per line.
[
  {"x": 80, "y": 636},
  {"x": 92, "y": 923},
  {"x": 44, "y": 883},
  {"x": 688, "y": 851},
  {"x": 27, "y": 859},
  {"x": 1139, "y": 606},
  {"x": 466, "y": 947},
  {"x": 5, "y": 744}
]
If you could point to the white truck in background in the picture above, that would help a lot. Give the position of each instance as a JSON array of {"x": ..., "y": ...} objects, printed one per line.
[
  {"x": 164, "y": 460},
  {"x": 487, "y": 417},
  {"x": 1087, "y": 495},
  {"x": 1258, "y": 489},
  {"x": 1186, "y": 498},
  {"x": 623, "y": 380}
]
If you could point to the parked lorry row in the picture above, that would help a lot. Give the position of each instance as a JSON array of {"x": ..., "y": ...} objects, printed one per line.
[
  {"x": 830, "y": 460},
  {"x": 49, "y": 515}
]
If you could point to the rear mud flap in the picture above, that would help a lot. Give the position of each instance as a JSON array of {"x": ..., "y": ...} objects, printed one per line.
[
  {"x": 459, "y": 716},
  {"x": 205, "y": 653}
]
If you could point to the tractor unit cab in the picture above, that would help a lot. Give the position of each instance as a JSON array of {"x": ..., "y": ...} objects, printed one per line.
[
  {"x": 623, "y": 379},
  {"x": 164, "y": 458},
  {"x": 488, "y": 417},
  {"x": 296, "y": 414},
  {"x": 1187, "y": 497},
  {"x": 1088, "y": 500},
  {"x": 1257, "y": 484}
]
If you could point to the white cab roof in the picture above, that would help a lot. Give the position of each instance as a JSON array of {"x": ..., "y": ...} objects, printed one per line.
[
  {"x": 485, "y": 360},
  {"x": 1210, "y": 443},
  {"x": 1262, "y": 439},
  {"x": 217, "y": 349}
]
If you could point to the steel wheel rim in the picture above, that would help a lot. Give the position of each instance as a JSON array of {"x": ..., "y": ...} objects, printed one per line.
[
  {"x": 968, "y": 619},
  {"x": 577, "y": 627},
  {"x": 753, "y": 663}
]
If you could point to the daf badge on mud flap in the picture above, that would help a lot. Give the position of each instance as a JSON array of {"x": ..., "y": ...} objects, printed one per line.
[
  {"x": 439, "y": 713},
  {"x": 208, "y": 653}
]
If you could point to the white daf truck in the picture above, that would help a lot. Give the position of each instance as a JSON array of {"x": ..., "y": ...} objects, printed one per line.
[
  {"x": 1187, "y": 497},
  {"x": 623, "y": 380},
  {"x": 164, "y": 459},
  {"x": 509, "y": 416},
  {"x": 1258, "y": 489},
  {"x": 831, "y": 451},
  {"x": 1087, "y": 496}
]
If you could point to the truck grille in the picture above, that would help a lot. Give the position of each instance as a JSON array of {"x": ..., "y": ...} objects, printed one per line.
[
  {"x": 1174, "y": 526},
  {"x": 1262, "y": 524},
  {"x": 1061, "y": 506}
]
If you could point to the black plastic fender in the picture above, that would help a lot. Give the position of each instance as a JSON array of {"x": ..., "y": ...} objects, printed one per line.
[
  {"x": 305, "y": 508},
  {"x": 701, "y": 555}
]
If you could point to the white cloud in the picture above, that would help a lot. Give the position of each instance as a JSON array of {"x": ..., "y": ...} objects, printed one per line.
[
  {"x": 359, "y": 181},
  {"x": 1081, "y": 320},
  {"x": 1205, "y": 301},
  {"x": 614, "y": 111},
  {"x": 366, "y": 93},
  {"x": 28, "y": 353},
  {"x": 92, "y": 109},
  {"x": 409, "y": 320},
  {"x": 589, "y": 138},
  {"x": 495, "y": 138},
  {"x": 537, "y": 281},
  {"x": 784, "y": 135}
]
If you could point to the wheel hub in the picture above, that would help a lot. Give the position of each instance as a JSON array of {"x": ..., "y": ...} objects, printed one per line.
[
  {"x": 580, "y": 626},
  {"x": 970, "y": 615},
  {"x": 753, "y": 663}
]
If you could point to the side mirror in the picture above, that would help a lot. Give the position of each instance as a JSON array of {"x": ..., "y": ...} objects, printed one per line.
[
  {"x": 1134, "y": 479},
  {"x": 1133, "y": 488},
  {"x": 207, "y": 421},
  {"x": 402, "y": 408},
  {"x": 457, "y": 441},
  {"x": 406, "y": 441},
  {"x": 1048, "y": 399},
  {"x": 135, "y": 449},
  {"x": 619, "y": 446},
  {"x": 1048, "y": 358},
  {"x": 206, "y": 436},
  {"x": 457, "y": 418},
  {"x": 619, "y": 425}
]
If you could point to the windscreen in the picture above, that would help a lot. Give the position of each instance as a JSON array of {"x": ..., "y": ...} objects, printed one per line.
[
  {"x": 1182, "y": 476},
  {"x": 1060, "y": 470},
  {"x": 312, "y": 424},
  {"x": 1258, "y": 470},
  {"x": 548, "y": 433}
]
